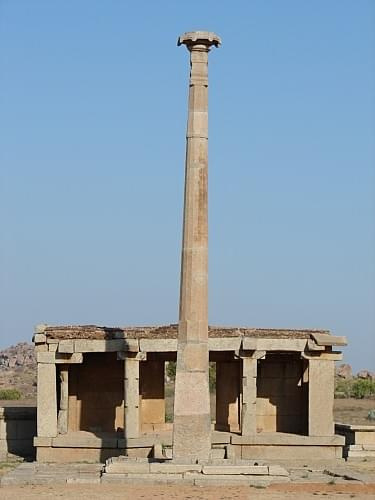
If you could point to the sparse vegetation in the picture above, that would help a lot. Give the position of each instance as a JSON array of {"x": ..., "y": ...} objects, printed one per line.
[
  {"x": 357, "y": 388},
  {"x": 10, "y": 394}
]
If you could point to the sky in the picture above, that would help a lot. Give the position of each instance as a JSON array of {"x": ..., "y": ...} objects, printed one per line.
[{"x": 93, "y": 99}]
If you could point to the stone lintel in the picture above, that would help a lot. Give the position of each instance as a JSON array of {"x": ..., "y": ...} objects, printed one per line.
[
  {"x": 55, "y": 357},
  {"x": 66, "y": 346},
  {"x": 158, "y": 345},
  {"x": 325, "y": 356},
  {"x": 252, "y": 354},
  {"x": 328, "y": 340},
  {"x": 312, "y": 346},
  {"x": 355, "y": 427},
  {"x": 262, "y": 344},
  {"x": 224, "y": 344},
  {"x": 137, "y": 356},
  {"x": 87, "y": 345}
]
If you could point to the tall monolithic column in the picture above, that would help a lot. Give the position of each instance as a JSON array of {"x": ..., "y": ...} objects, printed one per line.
[{"x": 192, "y": 422}]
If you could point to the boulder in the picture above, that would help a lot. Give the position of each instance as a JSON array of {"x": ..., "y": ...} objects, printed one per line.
[
  {"x": 344, "y": 371},
  {"x": 366, "y": 374}
]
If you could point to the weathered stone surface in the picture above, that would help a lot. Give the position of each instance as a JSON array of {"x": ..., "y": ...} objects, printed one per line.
[
  {"x": 45, "y": 357},
  {"x": 235, "y": 469},
  {"x": 62, "y": 420},
  {"x": 66, "y": 346},
  {"x": 105, "y": 345},
  {"x": 42, "y": 441},
  {"x": 158, "y": 345},
  {"x": 55, "y": 357},
  {"x": 233, "y": 480},
  {"x": 224, "y": 344},
  {"x": 138, "y": 478},
  {"x": 262, "y": 344},
  {"x": 277, "y": 470},
  {"x": 284, "y": 439},
  {"x": 321, "y": 394},
  {"x": 40, "y": 338},
  {"x": 46, "y": 400},
  {"x": 323, "y": 356},
  {"x": 249, "y": 396},
  {"x": 173, "y": 468},
  {"x": 192, "y": 425},
  {"x": 328, "y": 340},
  {"x": 291, "y": 452},
  {"x": 131, "y": 398},
  {"x": 128, "y": 467}
]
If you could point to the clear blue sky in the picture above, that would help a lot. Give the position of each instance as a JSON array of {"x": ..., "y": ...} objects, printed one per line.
[{"x": 92, "y": 144}]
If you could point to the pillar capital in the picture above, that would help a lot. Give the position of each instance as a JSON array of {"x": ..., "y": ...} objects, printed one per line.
[{"x": 199, "y": 40}]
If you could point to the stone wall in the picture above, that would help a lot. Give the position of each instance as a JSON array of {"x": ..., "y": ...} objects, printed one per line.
[
  {"x": 96, "y": 394},
  {"x": 17, "y": 431},
  {"x": 281, "y": 403}
]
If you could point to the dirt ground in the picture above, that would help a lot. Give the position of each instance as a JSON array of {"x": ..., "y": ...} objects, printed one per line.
[
  {"x": 275, "y": 492},
  {"x": 353, "y": 411}
]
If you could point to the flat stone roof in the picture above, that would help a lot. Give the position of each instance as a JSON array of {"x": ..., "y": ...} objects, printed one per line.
[{"x": 170, "y": 332}]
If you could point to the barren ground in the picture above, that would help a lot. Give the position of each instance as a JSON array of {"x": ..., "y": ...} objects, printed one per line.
[
  {"x": 353, "y": 411},
  {"x": 275, "y": 492}
]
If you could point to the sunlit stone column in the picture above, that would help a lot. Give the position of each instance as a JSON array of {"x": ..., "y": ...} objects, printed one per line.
[{"x": 192, "y": 423}]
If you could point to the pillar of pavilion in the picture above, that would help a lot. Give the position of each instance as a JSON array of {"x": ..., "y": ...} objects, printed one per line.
[{"x": 192, "y": 422}]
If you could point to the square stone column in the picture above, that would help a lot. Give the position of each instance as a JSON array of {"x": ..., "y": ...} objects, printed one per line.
[
  {"x": 46, "y": 400},
  {"x": 62, "y": 421},
  {"x": 131, "y": 396},
  {"x": 321, "y": 397},
  {"x": 249, "y": 396}
]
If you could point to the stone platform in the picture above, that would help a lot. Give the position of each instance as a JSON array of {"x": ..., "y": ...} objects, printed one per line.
[{"x": 123, "y": 470}]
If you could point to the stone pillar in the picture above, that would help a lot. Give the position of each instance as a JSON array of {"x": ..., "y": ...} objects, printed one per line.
[
  {"x": 131, "y": 396},
  {"x": 192, "y": 422},
  {"x": 62, "y": 421},
  {"x": 321, "y": 397},
  {"x": 152, "y": 395},
  {"x": 46, "y": 400},
  {"x": 249, "y": 396},
  {"x": 228, "y": 392}
]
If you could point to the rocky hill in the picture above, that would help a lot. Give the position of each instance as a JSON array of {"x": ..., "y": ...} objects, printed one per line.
[{"x": 18, "y": 369}]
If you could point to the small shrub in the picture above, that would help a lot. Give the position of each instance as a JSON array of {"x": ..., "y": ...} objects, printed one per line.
[
  {"x": 10, "y": 394},
  {"x": 363, "y": 388},
  {"x": 212, "y": 377},
  {"x": 171, "y": 369}
]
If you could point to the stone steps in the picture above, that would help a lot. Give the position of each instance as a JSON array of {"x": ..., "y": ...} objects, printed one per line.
[{"x": 219, "y": 471}]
